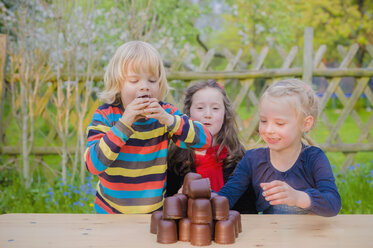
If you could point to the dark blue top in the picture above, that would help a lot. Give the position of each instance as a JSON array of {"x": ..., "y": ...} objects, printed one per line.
[{"x": 311, "y": 173}]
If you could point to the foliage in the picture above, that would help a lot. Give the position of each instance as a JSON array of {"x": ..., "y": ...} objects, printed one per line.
[
  {"x": 41, "y": 197},
  {"x": 254, "y": 24},
  {"x": 339, "y": 22}
]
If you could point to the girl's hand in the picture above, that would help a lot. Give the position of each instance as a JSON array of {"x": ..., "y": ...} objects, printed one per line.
[
  {"x": 154, "y": 110},
  {"x": 279, "y": 192},
  {"x": 134, "y": 110}
]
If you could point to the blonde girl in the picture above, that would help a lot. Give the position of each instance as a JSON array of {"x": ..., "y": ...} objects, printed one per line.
[{"x": 288, "y": 177}]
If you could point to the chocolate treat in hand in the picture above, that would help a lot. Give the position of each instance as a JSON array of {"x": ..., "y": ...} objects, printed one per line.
[{"x": 141, "y": 94}]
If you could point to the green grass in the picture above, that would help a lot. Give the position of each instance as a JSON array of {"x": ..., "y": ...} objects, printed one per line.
[
  {"x": 349, "y": 131},
  {"x": 356, "y": 188},
  {"x": 49, "y": 194}
]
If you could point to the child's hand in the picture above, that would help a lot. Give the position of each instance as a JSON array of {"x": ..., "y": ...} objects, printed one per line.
[
  {"x": 279, "y": 192},
  {"x": 154, "y": 110},
  {"x": 134, "y": 110},
  {"x": 180, "y": 191}
]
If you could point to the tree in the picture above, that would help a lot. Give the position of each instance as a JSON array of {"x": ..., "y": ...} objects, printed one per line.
[
  {"x": 253, "y": 24},
  {"x": 339, "y": 23}
]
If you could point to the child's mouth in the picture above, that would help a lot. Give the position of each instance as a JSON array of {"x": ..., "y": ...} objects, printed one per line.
[
  {"x": 272, "y": 140},
  {"x": 144, "y": 96}
]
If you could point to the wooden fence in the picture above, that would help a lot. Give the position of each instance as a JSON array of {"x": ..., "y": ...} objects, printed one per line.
[{"x": 48, "y": 115}]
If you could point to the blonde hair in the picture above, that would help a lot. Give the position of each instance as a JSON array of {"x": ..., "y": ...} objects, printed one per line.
[
  {"x": 306, "y": 101},
  {"x": 132, "y": 55}
]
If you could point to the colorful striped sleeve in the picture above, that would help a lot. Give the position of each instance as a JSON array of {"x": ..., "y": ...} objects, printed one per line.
[
  {"x": 104, "y": 141},
  {"x": 187, "y": 133}
]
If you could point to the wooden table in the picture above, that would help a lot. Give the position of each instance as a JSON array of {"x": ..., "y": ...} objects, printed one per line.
[{"x": 92, "y": 230}]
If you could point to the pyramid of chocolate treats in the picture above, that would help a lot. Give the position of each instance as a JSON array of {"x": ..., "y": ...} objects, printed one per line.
[{"x": 196, "y": 216}]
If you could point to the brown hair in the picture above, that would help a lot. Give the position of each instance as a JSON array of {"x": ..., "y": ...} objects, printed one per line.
[{"x": 182, "y": 161}]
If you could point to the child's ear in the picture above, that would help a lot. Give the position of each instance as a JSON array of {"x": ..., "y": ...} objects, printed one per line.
[{"x": 307, "y": 124}]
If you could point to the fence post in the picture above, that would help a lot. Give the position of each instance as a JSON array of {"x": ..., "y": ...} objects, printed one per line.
[
  {"x": 307, "y": 55},
  {"x": 2, "y": 83}
]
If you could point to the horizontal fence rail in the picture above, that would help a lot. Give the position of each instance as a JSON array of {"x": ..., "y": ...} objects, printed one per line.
[
  {"x": 60, "y": 106},
  {"x": 249, "y": 74}
]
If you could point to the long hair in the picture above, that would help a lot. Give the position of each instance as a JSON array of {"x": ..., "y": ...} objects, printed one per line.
[{"x": 181, "y": 161}]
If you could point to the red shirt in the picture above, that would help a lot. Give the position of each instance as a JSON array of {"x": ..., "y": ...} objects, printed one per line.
[{"x": 208, "y": 167}]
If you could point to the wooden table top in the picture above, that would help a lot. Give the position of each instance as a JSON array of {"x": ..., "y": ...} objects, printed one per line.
[{"x": 93, "y": 230}]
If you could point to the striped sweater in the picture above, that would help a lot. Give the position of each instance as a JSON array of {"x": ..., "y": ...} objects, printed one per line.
[{"x": 131, "y": 161}]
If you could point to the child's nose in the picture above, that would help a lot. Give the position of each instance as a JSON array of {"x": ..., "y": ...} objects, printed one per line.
[
  {"x": 208, "y": 113},
  {"x": 269, "y": 128},
  {"x": 144, "y": 85}
]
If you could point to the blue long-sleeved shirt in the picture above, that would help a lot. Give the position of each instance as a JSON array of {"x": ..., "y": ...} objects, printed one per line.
[{"x": 311, "y": 173}]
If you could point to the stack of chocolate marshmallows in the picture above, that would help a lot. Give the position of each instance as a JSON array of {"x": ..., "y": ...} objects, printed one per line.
[{"x": 197, "y": 216}]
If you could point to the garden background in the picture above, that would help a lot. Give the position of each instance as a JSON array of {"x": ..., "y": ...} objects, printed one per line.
[{"x": 53, "y": 55}]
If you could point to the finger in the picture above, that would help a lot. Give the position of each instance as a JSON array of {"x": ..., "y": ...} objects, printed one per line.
[
  {"x": 154, "y": 105},
  {"x": 276, "y": 196},
  {"x": 278, "y": 202},
  {"x": 153, "y": 100},
  {"x": 149, "y": 101},
  {"x": 273, "y": 190},
  {"x": 275, "y": 183},
  {"x": 138, "y": 107},
  {"x": 152, "y": 111},
  {"x": 152, "y": 115},
  {"x": 133, "y": 111},
  {"x": 135, "y": 105}
]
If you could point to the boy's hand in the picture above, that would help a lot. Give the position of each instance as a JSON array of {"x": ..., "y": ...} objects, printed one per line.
[
  {"x": 154, "y": 110},
  {"x": 134, "y": 110},
  {"x": 279, "y": 192}
]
